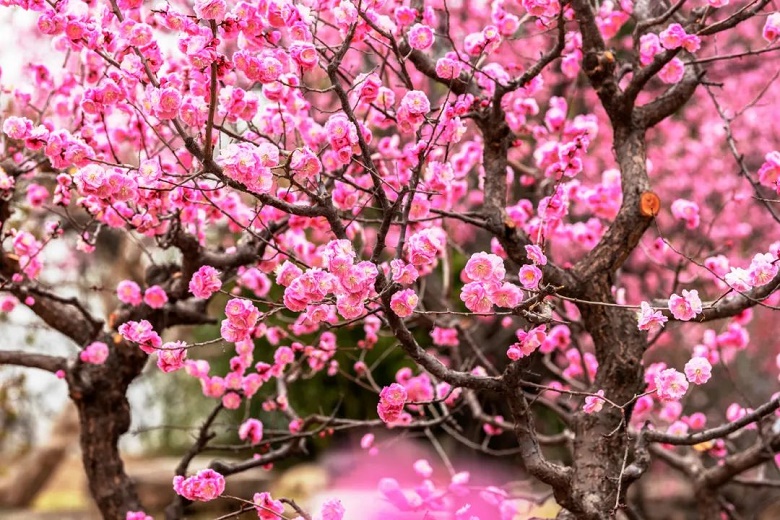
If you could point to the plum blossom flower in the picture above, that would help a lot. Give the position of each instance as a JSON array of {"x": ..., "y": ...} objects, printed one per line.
[
  {"x": 206, "y": 485},
  {"x": 687, "y": 211},
  {"x": 95, "y": 353},
  {"x": 141, "y": 332},
  {"x": 762, "y": 269},
  {"x": 506, "y": 295},
  {"x": 155, "y": 297},
  {"x": 251, "y": 430},
  {"x": 673, "y": 71},
  {"x": 210, "y": 9},
  {"x": 415, "y": 102},
  {"x": 17, "y": 127},
  {"x": 772, "y": 27},
  {"x": 535, "y": 254},
  {"x": 739, "y": 279},
  {"x": 171, "y": 356},
  {"x": 332, "y": 509},
  {"x": 267, "y": 507},
  {"x": 674, "y": 37},
  {"x": 391, "y": 402},
  {"x": 137, "y": 515},
  {"x": 205, "y": 282},
  {"x": 670, "y": 384},
  {"x": 129, "y": 292},
  {"x": 423, "y": 468},
  {"x": 528, "y": 342},
  {"x": 698, "y": 370},
  {"x": 476, "y": 298},
  {"x": 447, "y": 68},
  {"x": 649, "y": 46},
  {"x": 241, "y": 316},
  {"x": 648, "y": 317},
  {"x": 687, "y": 306},
  {"x": 403, "y": 303},
  {"x": 530, "y": 276},
  {"x": 420, "y": 37},
  {"x": 594, "y": 403},
  {"x": 485, "y": 267}
]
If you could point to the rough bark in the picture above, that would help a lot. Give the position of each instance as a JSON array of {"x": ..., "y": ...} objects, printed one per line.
[{"x": 99, "y": 393}]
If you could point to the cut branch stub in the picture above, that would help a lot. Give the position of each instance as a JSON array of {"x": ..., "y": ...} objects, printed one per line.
[{"x": 649, "y": 204}]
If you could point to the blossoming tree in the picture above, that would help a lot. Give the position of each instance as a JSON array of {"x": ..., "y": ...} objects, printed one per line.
[{"x": 605, "y": 173}]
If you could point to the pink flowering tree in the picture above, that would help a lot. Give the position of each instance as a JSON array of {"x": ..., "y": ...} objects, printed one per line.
[{"x": 564, "y": 213}]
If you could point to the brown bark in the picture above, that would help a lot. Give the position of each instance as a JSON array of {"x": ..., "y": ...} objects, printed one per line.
[{"x": 104, "y": 415}]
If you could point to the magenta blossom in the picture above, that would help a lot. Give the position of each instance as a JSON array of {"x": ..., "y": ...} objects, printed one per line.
[{"x": 206, "y": 485}]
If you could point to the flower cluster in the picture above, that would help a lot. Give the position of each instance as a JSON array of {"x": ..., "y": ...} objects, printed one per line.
[
  {"x": 241, "y": 318},
  {"x": 485, "y": 287},
  {"x": 391, "y": 403},
  {"x": 206, "y": 485}
]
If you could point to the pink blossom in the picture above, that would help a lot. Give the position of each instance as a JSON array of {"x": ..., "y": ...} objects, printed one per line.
[
  {"x": 698, "y": 370},
  {"x": 423, "y": 468},
  {"x": 671, "y": 385},
  {"x": 243, "y": 162},
  {"x": 506, "y": 295},
  {"x": 696, "y": 421},
  {"x": 241, "y": 316},
  {"x": 673, "y": 71},
  {"x": 772, "y": 27},
  {"x": 403, "y": 302},
  {"x": 769, "y": 173},
  {"x": 542, "y": 7},
  {"x": 332, "y": 509},
  {"x": 447, "y": 68},
  {"x": 403, "y": 273},
  {"x": 528, "y": 342},
  {"x": 251, "y": 430},
  {"x": 231, "y": 400},
  {"x": 687, "y": 306},
  {"x": 392, "y": 491},
  {"x": 535, "y": 254},
  {"x": 95, "y": 353},
  {"x": 17, "y": 127},
  {"x": 210, "y": 9},
  {"x": 206, "y": 485},
  {"x": 391, "y": 402},
  {"x": 129, "y": 292},
  {"x": 171, "y": 356},
  {"x": 367, "y": 441},
  {"x": 137, "y": 515},
  {"x": 594, "y": 403},
  {"x": 267, "y": 507},
  {"x": 485, "y": 267},
  {"x": 530, "y": 276},
  {"x": 205, "y": 282},
  {"x": 415, "y": 102},
  {"x": 688, "y": 211},
  {"x": 420, "y": 37},
  {"x": 155, "y": 297},
  {"x": 475, "y": 296},
  {"x": 423, "y": 247},
  {"x": 649, "y": 318},
  {"x": 142, "y": 333},
  {"x": 718, "y": 3},
  {"x": 739, "y": 279},
  {"x": 649, "y": 47},
  {"x": 674, "y": 37},
  {"x": 762, "y": 269}
]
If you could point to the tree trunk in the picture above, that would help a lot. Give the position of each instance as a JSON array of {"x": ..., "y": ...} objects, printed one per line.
[
  {"x": 99, "y": 392},
  {"x": 601, "y": 442}
]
